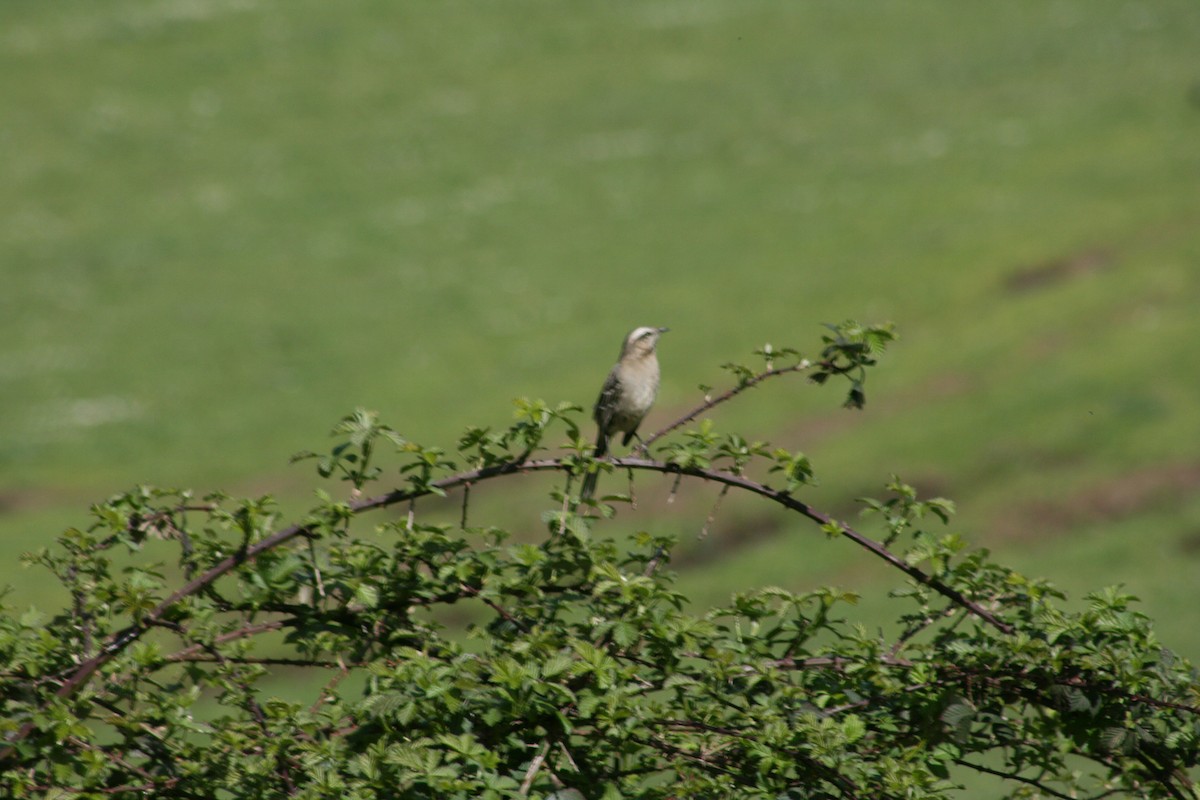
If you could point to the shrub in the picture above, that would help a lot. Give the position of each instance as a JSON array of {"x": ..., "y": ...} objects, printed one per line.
[{"x": 210, "y": 651}]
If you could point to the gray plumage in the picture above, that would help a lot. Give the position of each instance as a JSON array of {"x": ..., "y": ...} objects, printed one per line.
[{"x": 628, "y": 393}]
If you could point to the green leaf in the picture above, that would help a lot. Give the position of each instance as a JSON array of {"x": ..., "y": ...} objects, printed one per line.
[
  {"x": 958, "y": 713},
  {"x": 556, "y": 664},
  {"x": 367, "y": 595},
  {"x": 853, "y": 728}
]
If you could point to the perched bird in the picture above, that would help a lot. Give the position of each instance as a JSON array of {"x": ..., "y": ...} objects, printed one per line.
[{"x": 628, "y": 393}]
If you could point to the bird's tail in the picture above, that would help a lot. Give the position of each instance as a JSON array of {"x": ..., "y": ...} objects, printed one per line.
[
  {"x": 589, "y": 480},
  {"x": 589, "y": 486}
]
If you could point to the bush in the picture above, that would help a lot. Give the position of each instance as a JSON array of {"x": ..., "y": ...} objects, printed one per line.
[{"x": 445, "y": 661}]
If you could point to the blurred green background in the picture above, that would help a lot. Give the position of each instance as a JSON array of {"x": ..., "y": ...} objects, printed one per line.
[{"x": 224, "y": 223}]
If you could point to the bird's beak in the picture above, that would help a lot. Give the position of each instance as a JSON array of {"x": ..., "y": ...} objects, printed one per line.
[{"x": 663, "y": 330}]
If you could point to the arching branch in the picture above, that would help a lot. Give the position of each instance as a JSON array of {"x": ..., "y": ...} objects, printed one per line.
[{"x": 124, "y": 638}]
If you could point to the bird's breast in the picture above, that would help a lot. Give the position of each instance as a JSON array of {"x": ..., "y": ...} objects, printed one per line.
[{"x": 640, "y": 384}]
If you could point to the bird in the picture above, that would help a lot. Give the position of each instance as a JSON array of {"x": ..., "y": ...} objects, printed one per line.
[{"x": 628, "y": 393}]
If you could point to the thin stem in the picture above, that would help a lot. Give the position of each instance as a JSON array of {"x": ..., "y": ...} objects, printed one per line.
[
  {"x": 534, "y": 766},
  {"x": 711, "y": 402},
  {"x": 712, "y": 514},
  {"x": 1013, "y": 776}
]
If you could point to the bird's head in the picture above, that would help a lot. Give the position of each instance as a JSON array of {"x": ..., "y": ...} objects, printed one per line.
[{"x": 641, "y": 341}]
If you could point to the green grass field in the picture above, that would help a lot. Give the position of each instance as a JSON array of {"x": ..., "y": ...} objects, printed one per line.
[{"x": 224, "y": 223}]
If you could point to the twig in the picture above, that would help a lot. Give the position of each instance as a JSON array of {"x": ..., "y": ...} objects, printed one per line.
[
  {"x": 532, "y": 772},
  {"x": 921, "y": 625},
  {"x": 710, "y": 402},
  {"x": 844, "y": 785},
  {"x": 1014, "y": 777},
  {"x": 494, "y": 606},
  {"x": 712, "y": 514},
  {"x": 327, "y": 689},
  {"x": 138, "y": 522},
  {"x": 139, "y": 790},
  {"x": 240, "y": 633},
  {"x": 312, "y": 556},
  {"x": 566, "y": 506},
  {"x": 262, "y": 660},
  {"x": 652, "y": 564},
  {"x": 466, "y": 501}
]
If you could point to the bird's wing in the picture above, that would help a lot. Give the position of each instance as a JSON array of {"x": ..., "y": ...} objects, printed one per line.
[{"x": 606, "y": 403}]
